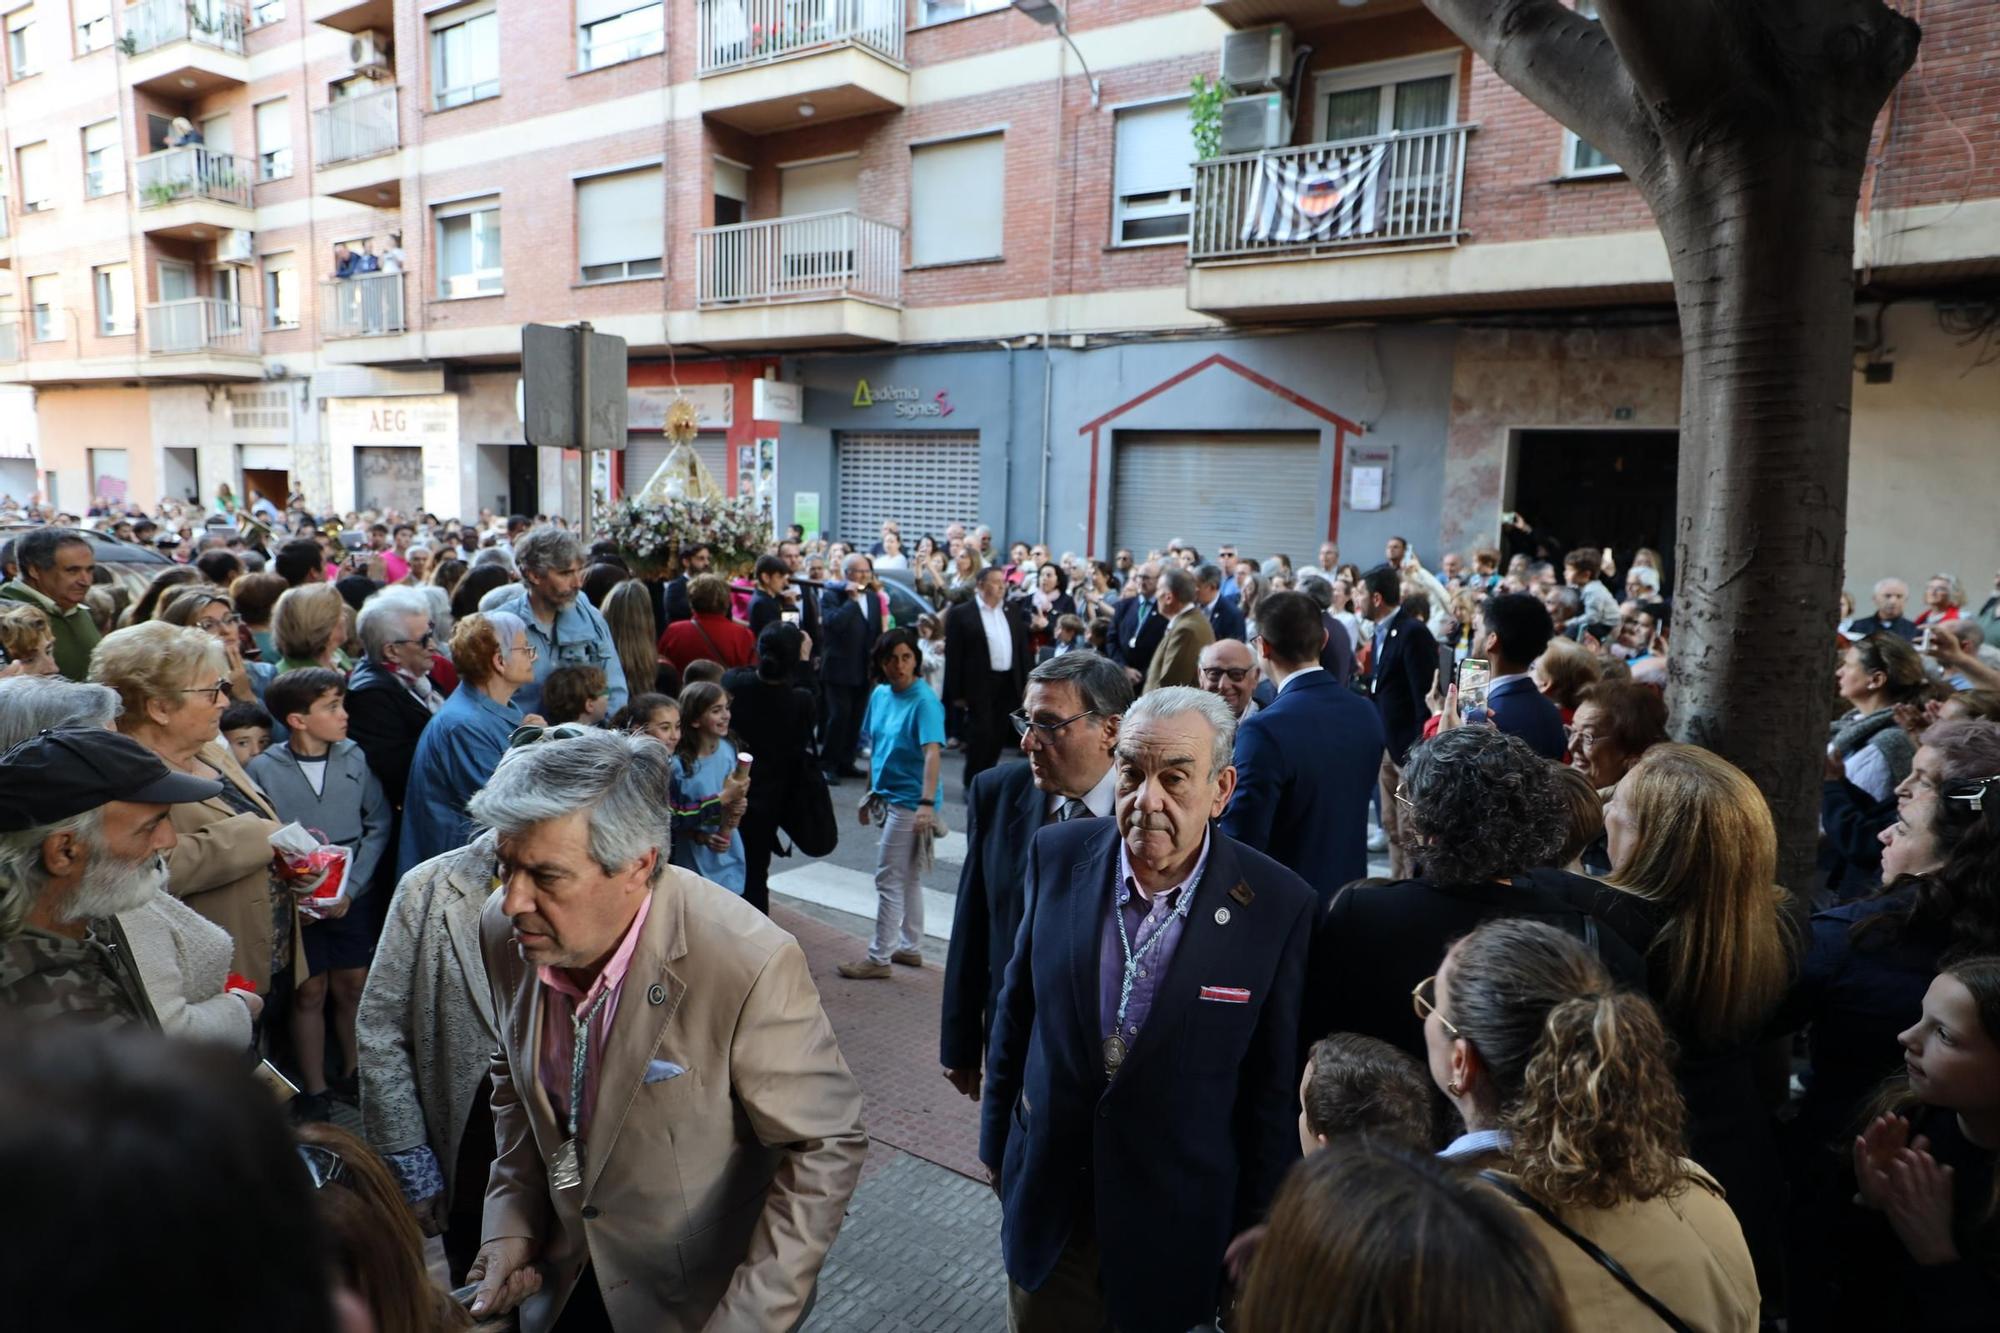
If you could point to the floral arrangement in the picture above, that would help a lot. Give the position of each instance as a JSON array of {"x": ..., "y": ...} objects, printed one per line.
[{"x": 650, "y": 532}]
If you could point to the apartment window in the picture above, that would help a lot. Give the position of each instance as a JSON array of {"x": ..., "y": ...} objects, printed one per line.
[
  {"x": 266, "y": 11},
  {"x": 1363, "y": 101},
  {"x": 610, "y": 31},
  {"x": 274, "y": 139},
  {"x": 103, "y": 159},
  {"x": 1153, "y": 175},
  {"x": 942, "y": 11},
  {"x": 465, "y": 55},
  {"x": 957, "y": 199},
  {"x": 93, "y": 24},
  {"x": 113, "y": 284},
  {"x": 1581, "y": 158},
  {"x": 45, "y": 307},
  {"x": 24, "y": 44},
  {"x": 468, "y": 248},
  {"x": 620, "y": 223},
  {"x": 36, "y": 177},
  {"x": 281, "y": 290}
]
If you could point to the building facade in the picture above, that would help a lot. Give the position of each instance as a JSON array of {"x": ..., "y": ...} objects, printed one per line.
[{"x": 1400, "y": 300}]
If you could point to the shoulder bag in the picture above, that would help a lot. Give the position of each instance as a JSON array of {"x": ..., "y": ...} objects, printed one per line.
[{"x": 1589, "y": 1247}]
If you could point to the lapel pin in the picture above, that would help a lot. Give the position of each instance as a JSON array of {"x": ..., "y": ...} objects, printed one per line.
[
  {"x": 657, "y": 994},
  {"x": 1222, "y": 916}
]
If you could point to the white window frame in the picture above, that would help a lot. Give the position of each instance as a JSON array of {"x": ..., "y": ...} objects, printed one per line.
[
  {"x": 461, "y": 208},
  {"x": 273, "y": 163},
  {"x": 1171, "y": 203},
  {"x": 928, "y": 14},
  {"x": 23, "y": 21},
  {"x": 110, "y": 173},
  {"x": 1572, "y": 143},
  {"x": 990, "y": 132},
  {"x": 99, "y": 275},
  {"x": 94, "y": 34},
  {"x": 649, "y": 44},
  {"x": 47, "y": 202},
  {"x": 1385, "y": 74},
  {"x": 281, "y": 261},
  {"x": 445, "y": 98}
]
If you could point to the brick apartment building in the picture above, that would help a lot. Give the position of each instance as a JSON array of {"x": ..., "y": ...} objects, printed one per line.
[{"x": 1005, "y": 285}]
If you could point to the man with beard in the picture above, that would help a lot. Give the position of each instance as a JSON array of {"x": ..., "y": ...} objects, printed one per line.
[
  {"x": 83, "y": 836},
  {"x": 563, "y": 628}
]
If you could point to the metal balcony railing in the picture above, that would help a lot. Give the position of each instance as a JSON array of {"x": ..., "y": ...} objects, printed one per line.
[
  {"x": 151, "y": 24},
  {"x": 193, "y": 172},
  {"x": 734, "y": 33},
  {"x": 366, "y": 306},
  {"x": 202, "y": 324},
  {"x": 355, "y": 127},
  {"x": 815, "y": 257},
  {"x": 1388, "y": 190}
]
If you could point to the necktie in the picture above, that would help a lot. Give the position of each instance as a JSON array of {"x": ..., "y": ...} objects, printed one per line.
[{"x": 1069, "y": 810}]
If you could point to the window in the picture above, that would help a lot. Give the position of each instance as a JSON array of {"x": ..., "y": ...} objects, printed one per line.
[
  {"x": 93, "y": 24},
  {"x": 609, "y": 31},
  {"x": 113, "y": 283},
  {"x": 1153, "y": 174},
  {"x": 103, "y": 159},
  {"x": 957, "y": 199},
  {"x": 1579, "y": 157},
  {"x": 1363, "y": 101},
  {"x": 45, "y": 307},
  {"x": 620, "y": 225},
  {"x": 37, "y": 180},
  {"x": 465, "y": 55},
  {"x": 942, "y": 11},
  {"x": 266, "y": 11},
  {"x": 274, "y": 139},
  {"x": 24, "y": 44},
  {"x": 281, "y": 290},
  {"x": 468, "y": 248},
  {"x": 218, "y": 135}
]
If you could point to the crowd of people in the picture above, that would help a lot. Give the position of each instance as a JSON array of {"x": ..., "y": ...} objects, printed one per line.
[{"x": 469, "y": 826}]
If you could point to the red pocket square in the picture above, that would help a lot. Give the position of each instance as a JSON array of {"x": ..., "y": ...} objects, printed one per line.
[{"x": 1226, "y": 994}]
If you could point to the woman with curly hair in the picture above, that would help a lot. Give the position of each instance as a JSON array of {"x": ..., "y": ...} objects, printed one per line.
[
  {"x": 1484, "y": 821},
  {"x": 1571, "y": 1109}
]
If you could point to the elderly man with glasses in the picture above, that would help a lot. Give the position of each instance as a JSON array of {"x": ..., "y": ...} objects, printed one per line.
[{"x": 1229, "y": 671}]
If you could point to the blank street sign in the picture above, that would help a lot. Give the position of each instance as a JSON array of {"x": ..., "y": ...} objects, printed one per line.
[{"x": 548, "y": 373}]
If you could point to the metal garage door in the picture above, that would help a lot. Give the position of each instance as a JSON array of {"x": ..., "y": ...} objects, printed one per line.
[
  {"x": 644, "y": 452},
  {"x": 1258, "y": 490},
  {"x": 924, "y": 479}
]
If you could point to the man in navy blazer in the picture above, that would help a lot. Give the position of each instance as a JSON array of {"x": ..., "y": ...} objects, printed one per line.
[
  {"x": 1514, "y": 628},
  {"x": 1224, "y": 616},
  {"x": 1307, "y": 762},
  {"x": 1403, "y": 663},
  {"x": 1073, "y": 705},
  {"x": 1139, "y": 1107}
]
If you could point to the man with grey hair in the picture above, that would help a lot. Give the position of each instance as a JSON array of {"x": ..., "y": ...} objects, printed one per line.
[
  {"x": 1224, "y": 616},
  {"x": 1067, "y": 725},
  {"x": 678, "y": 1134},
  {"x": 30, "y": 705},
  {"x": 1164, "y": 1090},
  {"x": 854, "y": 617},
  {"x": 390, "y": 698},
  {"x": 84, "y": 834},
  {"x": 1891, "y": 595},
  {"x": 563, "y": 628},
  {"x": 56, "y": 567},
  {"x": 1177, "y": 661}
]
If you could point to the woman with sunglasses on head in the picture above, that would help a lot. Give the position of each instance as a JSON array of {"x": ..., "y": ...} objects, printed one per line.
[
  {"x": 1571, "y": 1111},
  {"x": 209, "y": 610}
]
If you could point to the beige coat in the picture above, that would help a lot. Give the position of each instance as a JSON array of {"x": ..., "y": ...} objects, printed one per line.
[
  {"x": 710, "y": 1197},
  {"x": 221, "y": 867},
  {"x": 1177, "y": 661}
]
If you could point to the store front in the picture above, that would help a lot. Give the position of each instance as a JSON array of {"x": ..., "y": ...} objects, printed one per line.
[{"x": 395, "y": 453}]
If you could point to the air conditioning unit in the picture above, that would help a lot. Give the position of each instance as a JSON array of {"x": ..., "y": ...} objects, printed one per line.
[
  {"x": 1252, "y": 124},
  {"x": 1258, "y": 59},
  {"x": 235, "y": 246},
  {"x": 368, "y": 53}
]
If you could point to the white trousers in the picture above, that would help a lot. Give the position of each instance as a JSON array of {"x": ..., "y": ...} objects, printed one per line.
[{"x": 899, "y": 897}]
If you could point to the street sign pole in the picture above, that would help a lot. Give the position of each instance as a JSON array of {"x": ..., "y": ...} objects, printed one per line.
[{"x": 582, "y": 343}]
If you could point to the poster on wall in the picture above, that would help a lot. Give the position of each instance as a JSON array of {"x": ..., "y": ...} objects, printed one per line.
[
  {"x": 767, "y": 481},
  {"x": 805, "y": 512}
]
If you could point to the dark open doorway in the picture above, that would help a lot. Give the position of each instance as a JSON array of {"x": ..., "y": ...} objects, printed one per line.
[
  {"x": 524, "y": 478},
  {"x": 1600, "y": 487}
]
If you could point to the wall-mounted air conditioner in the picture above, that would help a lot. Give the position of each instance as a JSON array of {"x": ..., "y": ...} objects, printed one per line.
[
  {"x": 1252, "y": 124},
  {"x": 1258, "y": 59},
  {"x": 368, "y": 53}
]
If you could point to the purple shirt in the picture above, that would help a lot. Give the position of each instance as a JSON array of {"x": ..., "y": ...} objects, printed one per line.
[{"x": 1142, "y": 922}]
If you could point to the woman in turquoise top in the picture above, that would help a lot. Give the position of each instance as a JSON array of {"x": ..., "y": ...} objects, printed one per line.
[
  {"x": 705, "y": 815},
  {"x": 462, "y": 745}
]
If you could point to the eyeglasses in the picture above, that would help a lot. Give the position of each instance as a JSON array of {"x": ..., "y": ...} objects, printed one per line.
[
  {"x": 1213, "y": 675},
  {"x": 323, "y": 1164},
  {"x": 1423, "y": 999},
  {"x": 220, "y": 623},
  {"x": 561, "y": 731},
  {"x": 1403, "y": 796},
  {"x": 1022, "y": 722},
  {"x": 214, "y": 692},
  {"x": 429, "y": 638},
  {"x": 527, "y": 648}
]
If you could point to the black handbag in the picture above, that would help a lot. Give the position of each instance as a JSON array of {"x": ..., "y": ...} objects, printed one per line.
[{"x": 808, "y": 817}]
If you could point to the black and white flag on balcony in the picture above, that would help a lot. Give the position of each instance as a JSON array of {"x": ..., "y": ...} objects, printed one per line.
[{"x": 1322, "y": 195}]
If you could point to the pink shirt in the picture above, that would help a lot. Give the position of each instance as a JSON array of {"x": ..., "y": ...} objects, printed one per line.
[
  {"x": 561, "y": 1001},
  {"x": 397, "y": 567}
]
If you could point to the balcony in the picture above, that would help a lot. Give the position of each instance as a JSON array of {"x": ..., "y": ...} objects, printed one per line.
[
  {"x": 767, "y": 65},
  {"x": 368, "y": 306},
  {"x": 356, "y": 149},
  {"x": 193, "y": 193},
  {"x": 353, "y": 15},
  {"x": 184, "y": 49},
  {"x": 1303, "y": 14},
  {"x": 202, "y": 326},
  {"x": 1275, "y": 232},
  {"x": 820, "y": 280}
]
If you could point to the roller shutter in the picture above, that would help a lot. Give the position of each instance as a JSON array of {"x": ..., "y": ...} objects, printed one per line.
[
  {"x": 924, "y": 479},
  {"x": 1259, "y": 490}
]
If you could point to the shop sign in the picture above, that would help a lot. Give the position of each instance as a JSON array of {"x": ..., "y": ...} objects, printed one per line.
[
  {"x": 905, "y": 400},
  {"x": 413, "y": 421},
  {"x": 776, "y": 400},
  {"x": 714, "y": 405}
]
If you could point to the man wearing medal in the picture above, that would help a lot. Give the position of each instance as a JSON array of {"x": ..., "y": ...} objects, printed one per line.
[
  {"x": 1139, "y": 1107},
  {"x": 677, "y": 1134}
]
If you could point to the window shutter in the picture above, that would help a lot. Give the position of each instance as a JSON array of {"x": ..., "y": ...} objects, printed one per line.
[
  {"x": 1259, "y": 490},
  {"x": 274, "y": 126},
  {"x": 1155, "y": 149},
  {"x": 957, "y": 197},
  {"x": 35, "y": 183},
  {"x": 732, "y": 181},
  {"x": 104, "y": 134},
  {"x": 620, "y": 217},
  {"x": 820, "y": 187}
]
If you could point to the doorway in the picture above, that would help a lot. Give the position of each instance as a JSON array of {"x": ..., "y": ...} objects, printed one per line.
[
  {"x": 524, "y": 479},
  {"x": 272, "y": 484},
  {"x": 1600, "y": 488}
]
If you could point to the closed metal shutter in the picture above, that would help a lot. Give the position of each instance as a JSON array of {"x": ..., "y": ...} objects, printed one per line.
[
  {"x": 924, "y": 479},
  {"x": 1260, "y": 491},
  {"x": 389, "y": 477},
  {"x": 645, "y": 452}
]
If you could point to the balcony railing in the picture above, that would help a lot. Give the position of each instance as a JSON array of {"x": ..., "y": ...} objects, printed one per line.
[
  {"x": 1389, "y": 190},
  {"x": 815, "y": 257},
  {"x": 202, "y": 324},
  {"x": 735, "y": 33},
  {"x": 151, "y": 24},
  {"x": 355, "y": 127},
  {"x": 366, "y": 306},
  {"x": 193, "y": 172}
]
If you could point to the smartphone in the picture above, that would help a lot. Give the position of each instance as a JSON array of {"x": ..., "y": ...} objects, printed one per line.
[
  {"x": 1474, "y": 675},
  {"x": 1926, "y": 639}
]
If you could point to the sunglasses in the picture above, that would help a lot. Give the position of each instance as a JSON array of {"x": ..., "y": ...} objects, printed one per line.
[
  {"x": 1215, "y": 674},
  {"x": 1423, "y": 999},
  {"x": 561, "y": 731}
]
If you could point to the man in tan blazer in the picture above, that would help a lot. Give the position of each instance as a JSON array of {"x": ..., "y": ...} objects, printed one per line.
[
  {"x": 1177, "y": 660},
  {"x": 700, "y": 1174}
]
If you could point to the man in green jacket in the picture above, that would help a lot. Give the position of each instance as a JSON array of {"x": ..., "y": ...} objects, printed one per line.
[{"x": 56, "y": 567}]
